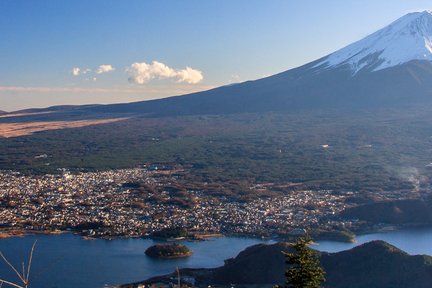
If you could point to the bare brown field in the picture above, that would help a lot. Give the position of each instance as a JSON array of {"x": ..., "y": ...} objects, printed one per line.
[
  {"x": 24, "y": 114},
  {"x": 9, "y": 130}
]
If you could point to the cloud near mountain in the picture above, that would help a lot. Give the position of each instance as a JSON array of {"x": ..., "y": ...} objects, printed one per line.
[
  {"x": 76, "y": 71},
  {"x": 105, "y": 68},
  {"x": 141, "y": 73}
]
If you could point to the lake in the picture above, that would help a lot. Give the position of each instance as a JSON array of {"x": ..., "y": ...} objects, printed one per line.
[
  {"x": 413, "y": 241},
  {"x": 68, "y": 261}
]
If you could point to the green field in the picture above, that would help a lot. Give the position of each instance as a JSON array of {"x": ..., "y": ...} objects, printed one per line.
[{"x": 367, "y": 151}]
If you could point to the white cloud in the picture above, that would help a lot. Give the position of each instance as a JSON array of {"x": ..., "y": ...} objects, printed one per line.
[
  {"x": 76, "y": 71},
  {"x": 105, "y": 68},
  {"x": 189, "y": 75},
  {"x": 141, "y": 73}
]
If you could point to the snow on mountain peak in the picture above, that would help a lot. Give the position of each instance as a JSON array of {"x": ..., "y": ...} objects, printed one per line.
[{"x": 408, "y": 38}]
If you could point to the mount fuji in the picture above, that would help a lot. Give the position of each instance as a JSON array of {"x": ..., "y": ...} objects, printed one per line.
[
  {"x": 389, "y": 68},
  {"x": 357, "y": 119},
  {"x": 407, "y": 39}
]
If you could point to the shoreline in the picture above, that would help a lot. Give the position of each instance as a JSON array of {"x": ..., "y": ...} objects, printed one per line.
[
  {"x": 173, "y": 257},
  {"x": 6, "y": 233}
]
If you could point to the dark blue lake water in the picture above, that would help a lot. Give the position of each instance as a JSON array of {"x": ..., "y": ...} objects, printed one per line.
[
  {"x": 68, "y": 261},
  {"x": 414, "y": 241}
]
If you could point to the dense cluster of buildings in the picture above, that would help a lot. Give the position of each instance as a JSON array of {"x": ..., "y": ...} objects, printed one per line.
[{"x": 107, "y": 204}]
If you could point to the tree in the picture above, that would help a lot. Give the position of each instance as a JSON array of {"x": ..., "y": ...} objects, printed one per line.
[
  {"x": 25, "y": 276},
  {"x": 304, "y": 269}
]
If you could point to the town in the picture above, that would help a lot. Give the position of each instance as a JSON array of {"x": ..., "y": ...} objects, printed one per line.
[{"x": 136, "y": 202}]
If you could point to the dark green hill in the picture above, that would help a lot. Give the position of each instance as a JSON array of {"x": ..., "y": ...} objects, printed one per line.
[
  {"x": 393, "y": 212},
  {"x": 376, "y": 264},
  {"x": 256, "y": 264}
]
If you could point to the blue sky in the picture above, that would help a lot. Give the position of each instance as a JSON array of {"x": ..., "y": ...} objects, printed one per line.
[{"x": 221, "y": 42}]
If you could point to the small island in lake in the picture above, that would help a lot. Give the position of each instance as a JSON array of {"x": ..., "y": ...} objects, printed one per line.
[{"x": 168, "y": 251}]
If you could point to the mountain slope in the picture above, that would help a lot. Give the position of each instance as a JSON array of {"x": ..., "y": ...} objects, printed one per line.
[
  {"x": 391, "y": 67},
  {"x": 299, "y": 89},
  {"x": 303, "y": 88},
  {"x": 406, "y": 39}
]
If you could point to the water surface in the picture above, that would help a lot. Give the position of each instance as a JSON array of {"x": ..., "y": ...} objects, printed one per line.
[
  {"x": 68, "y": 261},
  {"x": 413, "y": 241}
]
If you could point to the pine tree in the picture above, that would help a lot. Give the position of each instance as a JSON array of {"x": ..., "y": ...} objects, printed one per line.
[{"x": 304, "y": 267}]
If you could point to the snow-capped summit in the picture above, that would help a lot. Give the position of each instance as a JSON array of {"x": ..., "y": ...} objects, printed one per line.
[
  {"x": 342, "y": 81},
  {"x": 408, "y": 38}
]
